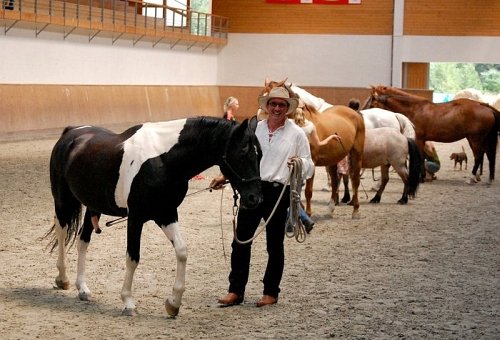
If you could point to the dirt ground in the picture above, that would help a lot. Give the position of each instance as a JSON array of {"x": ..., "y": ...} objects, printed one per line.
[{"x": 429, "y": 269}]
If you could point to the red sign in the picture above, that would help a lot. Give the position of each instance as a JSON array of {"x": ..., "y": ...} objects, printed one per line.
[{"x": 316, "y": 2}]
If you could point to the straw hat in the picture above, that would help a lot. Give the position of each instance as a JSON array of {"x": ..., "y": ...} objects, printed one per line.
[{"x": 282, "y": 93}]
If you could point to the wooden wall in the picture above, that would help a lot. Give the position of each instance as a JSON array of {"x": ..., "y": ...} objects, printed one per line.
[
  {"x": 416, "y": 75},
  {"x": 257, "y": 16},
  {"x": 36, "y": 110},
  {"x": 452, "y": 18},
  {"x": 48, "y": 107},
  {"x": 421, "y": 17}
]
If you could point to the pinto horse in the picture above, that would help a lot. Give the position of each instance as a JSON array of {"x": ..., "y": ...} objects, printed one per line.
[
  {"x": 446, "y": 122},
  {"x": 143, "y": 173},
  {"x": 385, "y": 147},
  {"x": 339, "y": 119}
]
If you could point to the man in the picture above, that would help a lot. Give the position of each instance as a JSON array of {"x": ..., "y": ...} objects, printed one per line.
[
  {"x": 280, "y": 140},
  {"x": 432, "y": 163}
]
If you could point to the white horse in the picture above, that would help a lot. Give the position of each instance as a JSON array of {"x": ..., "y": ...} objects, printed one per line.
[{"x": 374, "y": 118}]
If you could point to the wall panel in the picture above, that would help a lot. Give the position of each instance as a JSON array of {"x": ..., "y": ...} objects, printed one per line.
[
  {"x": 452, "y": 18},
  {"x": 257, "y": 16},
  {"x": 40, "y": 107}
]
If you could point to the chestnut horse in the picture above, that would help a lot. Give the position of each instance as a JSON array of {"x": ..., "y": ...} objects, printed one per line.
[
  {"x": 446, "y": 122},
  {"x": 349, "y": 125}
]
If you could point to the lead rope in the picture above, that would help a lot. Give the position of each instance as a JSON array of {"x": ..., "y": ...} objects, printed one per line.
[
  {"x": 294, "y": 226},
  {"x": 297, "y": 175}
]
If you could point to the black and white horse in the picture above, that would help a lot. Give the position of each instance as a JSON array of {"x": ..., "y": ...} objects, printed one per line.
[{"x": 143, "y": 174}]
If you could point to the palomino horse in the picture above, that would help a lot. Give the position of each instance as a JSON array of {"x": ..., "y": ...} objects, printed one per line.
[
  {"x": 446, "y": 122},
  {"x": 142, "y": 173},
  {"x": 385, "y": 147},
  {"x": 349, "y": 125}
]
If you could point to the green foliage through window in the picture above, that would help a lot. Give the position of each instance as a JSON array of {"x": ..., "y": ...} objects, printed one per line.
[{"x": 453, "y": 77}]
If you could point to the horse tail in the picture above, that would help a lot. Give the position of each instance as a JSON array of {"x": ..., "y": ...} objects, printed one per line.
[
  {"x": 492, "y": 142},
  {"x": 406, "y": 126},
  {"x": 68, "y": 209},
  {"x": 414, "y": 167}
]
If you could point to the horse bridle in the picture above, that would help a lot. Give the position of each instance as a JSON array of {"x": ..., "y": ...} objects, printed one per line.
[{"x": 231, "y": 169}]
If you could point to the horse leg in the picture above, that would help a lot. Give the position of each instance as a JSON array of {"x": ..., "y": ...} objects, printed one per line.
[
  {"x": 134, "y": 230},
  {"x": 384, "y": 178},
  {"x": 347, "y": 195},
  {"x": 478, "y": 153},
  {"x": 403, "y": 173},
  {"x": 355, "y": 158},
  {"x": 308, "y": 194},
  {"x": 173, "y": 303},
  {"x": 491, "y": 151},
  {"x": 334, "y": 198},
  {"x": 61, "y": 232},
  {"x": 90, "y": 218}
]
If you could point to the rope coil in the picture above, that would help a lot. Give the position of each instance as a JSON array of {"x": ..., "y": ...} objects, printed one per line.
[{"x": 294, "y": 226}]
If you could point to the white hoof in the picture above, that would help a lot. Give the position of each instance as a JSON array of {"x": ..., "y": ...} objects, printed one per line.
[
  {"x": 84, "y": 296},
  {"x": 129, "y": 312},
  {"x": 471, "y": 181},
  {"x": 331, "y": 206},
  {"x": 171, "y": 310}
]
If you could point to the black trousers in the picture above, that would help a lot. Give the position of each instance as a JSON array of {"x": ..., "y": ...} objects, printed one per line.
[{"x": 248, "y": 221}]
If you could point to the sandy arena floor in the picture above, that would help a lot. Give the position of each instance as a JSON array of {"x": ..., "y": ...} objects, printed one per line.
[{"x": 427, "y": 270}]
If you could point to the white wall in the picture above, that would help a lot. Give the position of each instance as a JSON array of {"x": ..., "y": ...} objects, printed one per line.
[
  {"x": 247, "y": 59},
  {"x": 50, "y": 59},
  {"x": 307, "y": 60}
]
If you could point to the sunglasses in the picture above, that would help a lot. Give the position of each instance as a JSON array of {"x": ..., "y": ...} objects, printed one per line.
[{"x": 278, "y": 105}]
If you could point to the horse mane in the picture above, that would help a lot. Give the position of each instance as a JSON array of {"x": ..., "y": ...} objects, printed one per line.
[{"x": 389, "y": 91}]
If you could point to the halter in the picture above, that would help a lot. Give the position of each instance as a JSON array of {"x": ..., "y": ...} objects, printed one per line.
[{"x": 231, "y": 169}]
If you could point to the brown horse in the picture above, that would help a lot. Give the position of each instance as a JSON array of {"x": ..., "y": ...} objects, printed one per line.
[
  {"x": 349, "y": 125},
  {"x": 446, "y": 122}
]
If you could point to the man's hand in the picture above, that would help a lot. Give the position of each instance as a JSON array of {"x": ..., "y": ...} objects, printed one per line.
[{"x": 218, "y": 182}]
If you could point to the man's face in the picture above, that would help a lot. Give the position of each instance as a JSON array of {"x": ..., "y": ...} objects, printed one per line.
[{"x": 277, "y": 107}]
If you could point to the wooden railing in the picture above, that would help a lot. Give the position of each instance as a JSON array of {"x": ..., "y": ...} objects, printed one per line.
[{"x": 132, "y": 19}]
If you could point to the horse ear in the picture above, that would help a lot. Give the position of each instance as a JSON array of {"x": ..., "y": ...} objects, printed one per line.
[
  {"x": 252, "y": 124},
  {"x": 266, "y": 81}
]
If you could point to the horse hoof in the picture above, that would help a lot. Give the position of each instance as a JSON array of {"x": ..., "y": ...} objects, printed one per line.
[
  {"x": 129, "y": 312},
  {"x": 356, "y": 215},
  {"x": 171, "y": 310},
  {"x": 470, "y": 181},
  {"x": 331, "y": 206},
  {"x": 84, "y": 296},
  {"x": 62, "y": 284}
]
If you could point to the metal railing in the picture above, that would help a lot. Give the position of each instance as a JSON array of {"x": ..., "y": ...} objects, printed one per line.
[{"x": 122, "y": 17}]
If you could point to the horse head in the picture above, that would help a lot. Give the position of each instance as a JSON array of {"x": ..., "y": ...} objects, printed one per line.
[
  {"x": 241, "y": 163},
  {"x": 377, "y": 99}
]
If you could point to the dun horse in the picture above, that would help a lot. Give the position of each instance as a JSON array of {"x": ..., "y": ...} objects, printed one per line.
[
  {"x": 142, "y": 173},
  {"x": 446, "y": 122},
  {"x": 345, "y": 122},
  {"x": 377, "y": 118},
  {"x": 386, "y": 147}
]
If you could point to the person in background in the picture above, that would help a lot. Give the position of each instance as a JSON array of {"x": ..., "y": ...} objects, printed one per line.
[
  {"x": 281, "y": 141},
  {"x": 432, "y": 163},
  {"x": 231, "y": 105}
]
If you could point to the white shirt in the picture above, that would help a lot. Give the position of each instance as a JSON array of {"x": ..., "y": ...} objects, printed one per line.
[
  {"x": 286, "y": 142},
  {"x": 308, "y": 127}
]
